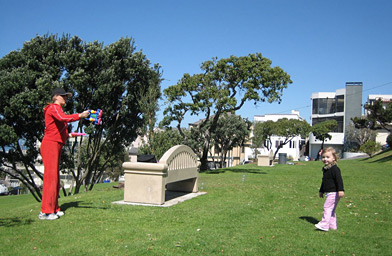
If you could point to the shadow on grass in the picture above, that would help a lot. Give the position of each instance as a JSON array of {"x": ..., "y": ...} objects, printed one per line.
[
  {"x": 79, "y": 204},
  {"x": 309, "y": 219},
  {"x": 242, "y": 170},
  {"x": 382, "y": 160},
  {"x": 236, "y": 170},
  {"x": 14, "y": 222},
  {"x": 219, "y": 171}
]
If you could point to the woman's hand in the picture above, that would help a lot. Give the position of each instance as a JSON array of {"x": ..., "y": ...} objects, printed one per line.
[
  {"x": 84, "y": 114},
  {"x": 341, "y": 193}
]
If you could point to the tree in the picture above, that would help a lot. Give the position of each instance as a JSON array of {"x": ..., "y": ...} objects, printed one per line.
[
  {"x": 355, "y": 138},
  {"x": 26, "y": 81},
  {"x": 262, "y": 134},
  {"x": 378, "y": 117},
  {"x": 111, "y": 78},
  {"x": 223, "y": 87},
  {"x": 286, "y": 129},
  {"x": 115, "y": 170},
  {"x": 321, "y": 130},
  {"x": 148, "y": 102},
  {"x": 161, "y": 142},
  {"x": 231, "y": 131}
]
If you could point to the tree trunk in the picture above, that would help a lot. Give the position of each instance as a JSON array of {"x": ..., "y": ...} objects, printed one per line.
[
  {"x": 204, "y": 161},
  {"x": 276, "y": 152}
]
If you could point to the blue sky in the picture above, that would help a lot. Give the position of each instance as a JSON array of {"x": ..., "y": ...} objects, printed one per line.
[{"x": 321, "y": 44}]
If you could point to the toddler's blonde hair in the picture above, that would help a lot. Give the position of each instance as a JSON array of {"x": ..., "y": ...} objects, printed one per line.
[{"x": 333, "y": 151}]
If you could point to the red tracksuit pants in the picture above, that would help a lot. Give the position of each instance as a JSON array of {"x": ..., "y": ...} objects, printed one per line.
[{"x": 51, "y": 153}]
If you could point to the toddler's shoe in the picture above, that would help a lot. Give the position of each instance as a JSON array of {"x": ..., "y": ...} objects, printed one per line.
[{"x": 320, "y": 227}]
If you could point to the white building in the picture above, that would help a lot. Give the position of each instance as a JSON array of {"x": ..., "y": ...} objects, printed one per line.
[
  {"x": 292, "y": 149},
  {"x": 341, "y": 105}
]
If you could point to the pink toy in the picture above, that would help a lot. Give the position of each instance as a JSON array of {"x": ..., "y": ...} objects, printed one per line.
[{"x": 75, "y": 134}]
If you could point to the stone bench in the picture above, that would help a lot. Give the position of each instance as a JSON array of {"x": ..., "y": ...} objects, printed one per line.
[{"x": 177, "y": 170}]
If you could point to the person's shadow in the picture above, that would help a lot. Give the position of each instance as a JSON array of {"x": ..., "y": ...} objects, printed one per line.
[
  {"x": 309, "y": 219},
  {"x": 78, "y": 204}
]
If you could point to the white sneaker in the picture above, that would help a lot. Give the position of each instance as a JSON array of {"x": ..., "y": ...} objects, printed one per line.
[
  {"x": 44, "y": 216},
  {"x": 60, "y": 213},
  {"x": 320, "y": 228}
]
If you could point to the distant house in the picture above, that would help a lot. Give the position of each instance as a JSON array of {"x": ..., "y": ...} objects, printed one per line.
[{"x": 292, "y": 149}]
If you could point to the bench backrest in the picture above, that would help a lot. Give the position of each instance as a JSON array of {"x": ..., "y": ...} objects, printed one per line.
[{"x": 182, "y": 163}]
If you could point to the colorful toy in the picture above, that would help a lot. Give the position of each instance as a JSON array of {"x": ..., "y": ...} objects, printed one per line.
[
  {"x": 74, "y": 134},
  {"x": 95, "y": 116}
]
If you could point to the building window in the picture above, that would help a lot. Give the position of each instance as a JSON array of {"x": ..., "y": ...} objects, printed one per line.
[
  {"x": 267, "y": 144},
  {"x": 328, "y": 106},
  {"x": 278, "y": 143},
  {"x": 324, "y": 106},
  {"x": 315, "y": 106},
  {"x": 340, "y": 103}
]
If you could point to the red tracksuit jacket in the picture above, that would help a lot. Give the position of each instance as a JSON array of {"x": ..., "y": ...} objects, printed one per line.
[{"x": 56, "y": 123}]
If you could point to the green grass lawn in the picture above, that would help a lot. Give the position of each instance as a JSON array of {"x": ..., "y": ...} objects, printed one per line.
[{"x": 248, "y": 210}]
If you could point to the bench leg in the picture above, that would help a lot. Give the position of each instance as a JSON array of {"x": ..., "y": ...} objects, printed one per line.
[{"x": 184, "y": 185}]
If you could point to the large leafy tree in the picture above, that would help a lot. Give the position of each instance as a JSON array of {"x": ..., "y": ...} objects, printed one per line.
[
  {"x": 223, "y": 86},
  {"x": 111, "y": 78},
  {"x": 26, "y": 79}
]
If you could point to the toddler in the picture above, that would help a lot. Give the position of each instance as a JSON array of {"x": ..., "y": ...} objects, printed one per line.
[{"x": 332, "y": 188}]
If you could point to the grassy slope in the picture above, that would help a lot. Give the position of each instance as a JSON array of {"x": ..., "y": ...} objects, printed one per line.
[{"x": 269, "y": 211}]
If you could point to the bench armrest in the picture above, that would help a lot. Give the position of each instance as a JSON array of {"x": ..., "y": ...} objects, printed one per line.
[{"x": 152, "y": 167}]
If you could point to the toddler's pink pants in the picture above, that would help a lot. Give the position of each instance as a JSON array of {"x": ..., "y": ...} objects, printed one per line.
[{"x": 329, "y": 216}]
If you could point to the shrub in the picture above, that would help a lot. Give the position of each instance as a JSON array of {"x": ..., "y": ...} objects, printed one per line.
[{"x": 370, "y": 147}]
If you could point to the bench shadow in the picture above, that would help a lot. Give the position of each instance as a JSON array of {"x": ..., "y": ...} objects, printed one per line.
[
  {"x": 170, "y": 195},
  {"x": 309, "y": 219},
  {"x": 14, "y": 222}
]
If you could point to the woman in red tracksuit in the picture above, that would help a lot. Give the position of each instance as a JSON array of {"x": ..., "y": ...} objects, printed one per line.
[{"x": 56, "y": 135}]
